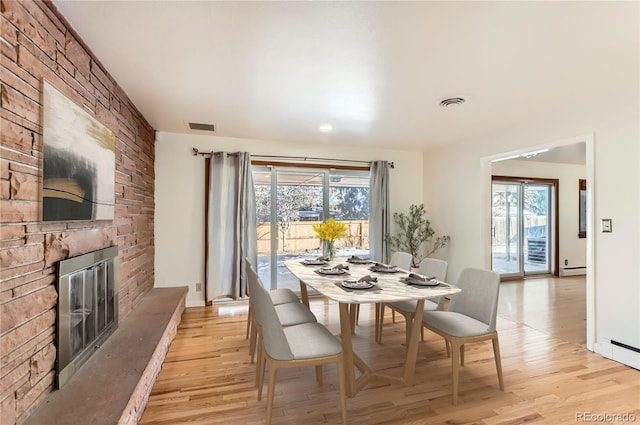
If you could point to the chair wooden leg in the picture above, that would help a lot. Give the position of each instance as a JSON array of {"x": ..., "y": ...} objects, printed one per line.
[
  {"x": 446, "y": 344},
  {"x": 496, "y": 354},
  {"x": 462, "y": 355},
  {"x": 271, "y": 390},
  {"x": 422, "y": 333},
  {"x": 393, "y": 316},
  {"x": 260, "y": 371},
  {"x": 342, "y": 384},
  {"x": 249, "y": 320},
  {"x": 357, "y": 314},
  {"x": 380, "y": 322},
  {"x": 253, "y": 341},
  {"x": 319, "y": 374},
  {"x": 455, "y": 369}
]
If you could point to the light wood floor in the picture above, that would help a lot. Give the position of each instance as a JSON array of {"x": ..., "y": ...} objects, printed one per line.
[{"x": 207, "y": 377}]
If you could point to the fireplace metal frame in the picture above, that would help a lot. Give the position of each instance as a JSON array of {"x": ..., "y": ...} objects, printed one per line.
[{"x": 66, "y": 363}]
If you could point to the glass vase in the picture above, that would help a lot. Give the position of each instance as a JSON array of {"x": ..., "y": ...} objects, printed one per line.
[{"x": 329, "y": 249}]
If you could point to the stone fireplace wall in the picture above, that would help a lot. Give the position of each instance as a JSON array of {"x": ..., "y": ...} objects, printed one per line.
[{"x": 37, "y": 43}]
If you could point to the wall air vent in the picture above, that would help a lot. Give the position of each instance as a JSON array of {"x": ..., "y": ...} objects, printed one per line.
[
  {"x": 201, "y": 126},
  {"x": 452, "y": 101}
]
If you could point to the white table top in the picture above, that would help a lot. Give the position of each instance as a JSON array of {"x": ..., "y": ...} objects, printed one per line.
[{"x": 388, "y": 288}]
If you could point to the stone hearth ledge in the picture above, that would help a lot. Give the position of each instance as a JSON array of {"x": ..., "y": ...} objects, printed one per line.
[{"x": 113, "y": 386}]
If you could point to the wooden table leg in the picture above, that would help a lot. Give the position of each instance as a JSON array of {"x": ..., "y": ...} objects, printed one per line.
[
  {"x": 353, "y": 311},
  {"x": 303, "y": 294},
  {"x": 412, "y": 347},
  {"x": 345, "y": 335}
]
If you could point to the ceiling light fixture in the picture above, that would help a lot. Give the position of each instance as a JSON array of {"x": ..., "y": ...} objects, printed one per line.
[
  {"x": 325, "y": 128},
  {"x": 450, "y": 101}
]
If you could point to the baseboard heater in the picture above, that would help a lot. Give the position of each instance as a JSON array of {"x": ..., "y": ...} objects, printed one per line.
[
  {"x": 628, "y": 347},
  {"x": 573, "y": 271}
]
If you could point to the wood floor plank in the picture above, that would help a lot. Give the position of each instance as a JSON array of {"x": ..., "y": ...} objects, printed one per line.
[{"x": 207, "y": 377}]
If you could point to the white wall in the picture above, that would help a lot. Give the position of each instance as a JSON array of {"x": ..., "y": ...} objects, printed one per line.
[
  {"x": 457, "y": 185},
  {"x": 179, "y": 219},
  {"x": 571, "y": 247}
]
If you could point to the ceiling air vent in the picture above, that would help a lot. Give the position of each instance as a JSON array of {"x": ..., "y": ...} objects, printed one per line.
[
  {"x": 200, "y": 126},
  {"x": 452, "y": 101}
]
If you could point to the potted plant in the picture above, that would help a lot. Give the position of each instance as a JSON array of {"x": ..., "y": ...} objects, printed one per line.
[
  {"x": 414, "y": 230},
  {"x": 328, "y": 231}
]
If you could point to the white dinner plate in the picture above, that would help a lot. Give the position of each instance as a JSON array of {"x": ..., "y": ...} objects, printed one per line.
[
  {"x": 354, "y": 284},
  {"x": 363, "y": 261},
  {"x": 315, "y": 262},
  {"x": 384, "y": 269},
  {"x": 432, "y": 282},
  {"x": 331, "y": 271}
]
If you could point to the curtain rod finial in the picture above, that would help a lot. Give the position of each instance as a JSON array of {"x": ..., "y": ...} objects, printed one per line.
[{"x": 195, "y": 151}]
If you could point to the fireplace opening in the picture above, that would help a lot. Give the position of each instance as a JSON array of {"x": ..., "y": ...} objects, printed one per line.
[{"x": 87, "y": 308}]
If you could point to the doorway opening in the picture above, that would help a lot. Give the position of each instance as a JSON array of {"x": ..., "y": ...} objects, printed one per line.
[{"x": 524, "y": 232}]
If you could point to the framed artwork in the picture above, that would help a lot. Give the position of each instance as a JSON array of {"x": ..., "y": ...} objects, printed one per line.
[{"x": 78, "y": 162}]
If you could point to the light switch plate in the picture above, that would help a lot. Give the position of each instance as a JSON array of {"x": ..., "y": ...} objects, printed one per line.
[{"x": 606, "y": 225}]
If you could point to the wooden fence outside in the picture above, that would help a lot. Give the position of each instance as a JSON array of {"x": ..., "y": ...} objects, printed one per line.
[{"x": 302, "y": 238}]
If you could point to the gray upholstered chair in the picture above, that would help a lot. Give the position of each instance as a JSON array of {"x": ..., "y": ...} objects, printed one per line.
[
  {"x": 471, "y": 317},
  {"x": 308, "y": 344},
  {"x": 278, "y": 296},
  {"x": 428, "y": 267},
  {"x": 290, "y": 313}
]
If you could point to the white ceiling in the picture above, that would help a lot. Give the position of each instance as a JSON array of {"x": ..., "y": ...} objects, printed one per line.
[{"x": 375, "y": 71}]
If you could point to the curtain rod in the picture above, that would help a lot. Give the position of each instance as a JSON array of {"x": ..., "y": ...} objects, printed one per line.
[{"x": 302, "y": 158}]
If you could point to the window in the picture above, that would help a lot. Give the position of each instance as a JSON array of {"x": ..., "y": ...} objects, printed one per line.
[{"x": 289, "y": 200}]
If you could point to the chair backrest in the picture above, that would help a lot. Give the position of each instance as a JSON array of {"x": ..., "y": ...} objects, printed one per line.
[
  {"x": 479, "y": 296},
  {"x": 402, "y": 260},
  {"x": 433, "y": 267},
  {"x": 273, "y": 337}
]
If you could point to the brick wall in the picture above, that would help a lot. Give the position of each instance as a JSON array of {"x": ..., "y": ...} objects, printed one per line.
[{"x": 35, "y": 44}]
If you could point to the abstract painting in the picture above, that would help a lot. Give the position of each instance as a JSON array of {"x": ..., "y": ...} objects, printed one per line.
[{"x": 78, "y": 162}]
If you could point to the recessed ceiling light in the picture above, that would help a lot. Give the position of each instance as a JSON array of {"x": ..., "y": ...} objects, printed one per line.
[
  {"x": 325, "y": 128},
  {"x": 450, "y": 101}
]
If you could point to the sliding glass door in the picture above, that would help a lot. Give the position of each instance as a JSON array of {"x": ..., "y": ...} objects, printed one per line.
[
  {"x": 289, "y": 200},
  {"x": 521, "y": 228}
]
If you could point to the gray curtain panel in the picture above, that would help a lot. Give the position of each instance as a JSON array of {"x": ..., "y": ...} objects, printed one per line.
[
  {"x": 379, "y": 214},
  {"x": 232, "y": 225}
]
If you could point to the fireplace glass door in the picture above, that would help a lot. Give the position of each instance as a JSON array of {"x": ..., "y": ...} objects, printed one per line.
[{"x": 87, "y": 308}]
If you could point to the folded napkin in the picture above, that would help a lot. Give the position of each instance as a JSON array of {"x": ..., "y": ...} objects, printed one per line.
[
  {"x": 368, "y": 278},
  {"x": 356, "y": 258},
  {"x": 419, "y": 278},
  {"x": 340, "y": 267},
  {"x": 322, "y": 258}
]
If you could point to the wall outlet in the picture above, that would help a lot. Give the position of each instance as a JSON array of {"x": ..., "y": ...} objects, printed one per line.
[
  {"x": 198, "y": 287},
  {"x": 566, "y": 262}
]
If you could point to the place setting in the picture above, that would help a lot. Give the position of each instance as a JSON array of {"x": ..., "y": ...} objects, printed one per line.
[
  {"x": 338, "y": 269},
  {"x": 415, "y": 279},
  {"x": 363, "y": 284},
  {"x": 319, "y": 261},
  {"x": 354, "y": 259},
  {"x": 384, "y": 268}
]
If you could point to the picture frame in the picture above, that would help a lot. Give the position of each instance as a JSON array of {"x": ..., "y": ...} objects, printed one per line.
[{"x": 78, "y": 177}]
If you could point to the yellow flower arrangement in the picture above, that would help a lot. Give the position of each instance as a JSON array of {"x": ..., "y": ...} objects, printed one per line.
[{"x": 330, "y": 229}]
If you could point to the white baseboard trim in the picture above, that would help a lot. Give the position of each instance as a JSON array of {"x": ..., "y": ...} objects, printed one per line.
[
  {"x": 618, "y": 354},
  {"x": 573, "y": 271}
]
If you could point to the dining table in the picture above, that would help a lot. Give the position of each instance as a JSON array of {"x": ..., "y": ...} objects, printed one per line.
[{"x": 385, "y": 285}]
